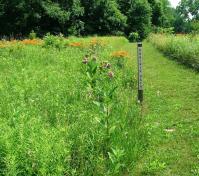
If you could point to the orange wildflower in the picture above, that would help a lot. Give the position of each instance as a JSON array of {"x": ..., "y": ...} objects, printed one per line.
[
  {"x": 75, "y": 44},
  {"x": 31, "y": 42},
  {"x": 95, "y": 42},
  {"x": 120, "y": 54}
]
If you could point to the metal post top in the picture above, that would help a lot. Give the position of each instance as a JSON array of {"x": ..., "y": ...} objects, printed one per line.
[{"x": 139, "y": 44}]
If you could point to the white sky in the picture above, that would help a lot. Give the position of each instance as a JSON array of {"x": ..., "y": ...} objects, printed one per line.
[{"x": 174, "y": 3}]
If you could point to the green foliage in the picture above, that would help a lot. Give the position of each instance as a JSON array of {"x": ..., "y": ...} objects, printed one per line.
[
  {"x": 195, "y": 27},
  {"x": 62, "y": 117},
  {"x": 187, "y": 16},
  {"x": 42, "y": 16},
  {"x": 161, "y": 30},
  {"x": 168, "y": 16},
  {"x": 32, "y": 35},
  {"x": 157, "y": 12},
  {"x": 54, "y": 11},
  {"x": 101, "y": 89},
  {"x": 1, "y": 8},
  {"x": 154, "y": 166},
  {"x": 118, "y": 33},
  {"x": 163, "y": 15},
  {"x": 103, "y": 17},
  {"x": 133, "y": 37},
  {"x": 54, "y": 41},
  {"x": 189, "y": 9},
  {"x": 185, "y": 49},
  {"x": 139, "y": 18},
  {"x": 83, "y": 17}
]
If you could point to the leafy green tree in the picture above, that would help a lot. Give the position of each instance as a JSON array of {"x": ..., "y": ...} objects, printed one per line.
[
  {"x": 76, "y": 24},
  {"x": 138, "y": 13},
  {"x": 21, "y": 16},
  {"x": 187, "y": 16},
  {"x": 102, "y": 17},
  {"x": 54, "y": 12},
  {"x": 84, "y": 17},
  {"x": 139, "y": 18},
  {"x": 168, "y": 16},
  {"x": 124, "y": 6},
  {"x": 163, "y": 15},
  {"x": 1, "y": 7},
  {"x": 195, "y": 26},
  {"x": 157, "y": 12},
  {"x": 189, "y": 9},
  {"x": 63, "y": 16}
]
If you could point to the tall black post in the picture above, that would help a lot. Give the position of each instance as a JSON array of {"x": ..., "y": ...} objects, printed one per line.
[{"x": 140, "y": 72}]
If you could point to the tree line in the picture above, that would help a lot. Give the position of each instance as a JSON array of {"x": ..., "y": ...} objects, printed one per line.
[{"x": 88, "y": 17}]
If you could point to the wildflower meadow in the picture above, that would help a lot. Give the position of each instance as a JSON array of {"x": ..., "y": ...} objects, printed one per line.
[
  {"x": 99, "y": 87},
  {"x": 66, "y": 108}
]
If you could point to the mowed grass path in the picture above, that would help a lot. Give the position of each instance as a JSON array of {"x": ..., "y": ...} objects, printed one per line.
[{"x": 171, "y": 115}]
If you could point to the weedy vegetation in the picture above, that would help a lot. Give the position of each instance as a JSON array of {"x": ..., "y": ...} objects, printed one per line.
[
  {"x": 183, "y": 48},
  {"x": 68, "y": 108}
]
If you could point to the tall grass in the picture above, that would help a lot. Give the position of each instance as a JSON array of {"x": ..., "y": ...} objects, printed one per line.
[
  {"x": 49, "y": 122},
  {"x": 183, "y": 48}
]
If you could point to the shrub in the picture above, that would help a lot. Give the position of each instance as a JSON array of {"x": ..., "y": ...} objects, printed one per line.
[
  {"x": 118, "y": 33},
  {"x": 32, "y": 35},
  {"x": 133, "y": 37},
  {"x": 54, "y": 41},
  {"x": 161, "y": 30}
]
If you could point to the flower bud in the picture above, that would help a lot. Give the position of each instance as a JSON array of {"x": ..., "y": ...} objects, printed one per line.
[{"x": 111, "y": 74}]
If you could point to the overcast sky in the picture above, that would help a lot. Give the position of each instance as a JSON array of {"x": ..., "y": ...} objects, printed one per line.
[{"x": 174, "y": 3}]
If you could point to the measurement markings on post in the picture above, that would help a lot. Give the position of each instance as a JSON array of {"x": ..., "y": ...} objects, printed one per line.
[{"x": 140, "y": 72}]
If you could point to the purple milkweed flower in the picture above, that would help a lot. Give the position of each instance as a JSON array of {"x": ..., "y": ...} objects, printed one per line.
[{"x": 111, "y": 74}]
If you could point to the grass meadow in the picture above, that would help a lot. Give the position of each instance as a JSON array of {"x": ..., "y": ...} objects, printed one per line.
[
  {"x": 68, "y": 107},
  {"x": 183, "y": 48}
]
